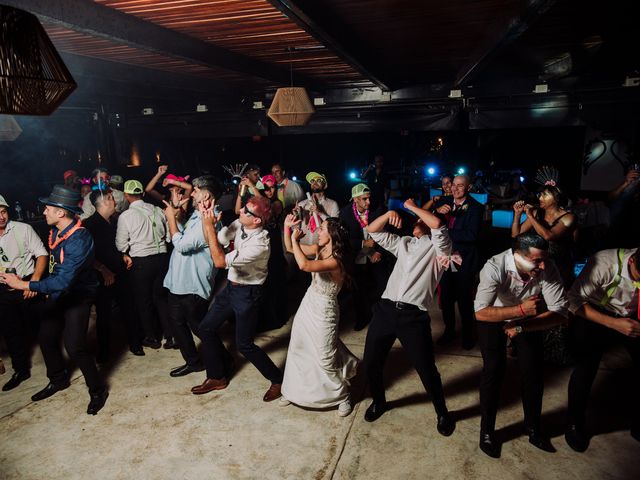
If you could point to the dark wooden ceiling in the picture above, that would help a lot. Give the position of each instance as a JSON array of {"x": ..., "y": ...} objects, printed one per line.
[{"x": 251, "y": 46}]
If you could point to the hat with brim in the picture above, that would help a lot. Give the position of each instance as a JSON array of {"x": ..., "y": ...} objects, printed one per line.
[
  {"x": 3, "y": 202},
  {"x": 359, "y": 189},
  {"x": 311, "y": 176},
  {"x": 63, "y": 197},
  {"x": 133, "y": 187}
]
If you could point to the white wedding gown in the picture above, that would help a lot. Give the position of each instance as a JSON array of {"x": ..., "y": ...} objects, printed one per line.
[{"x": 319, "y": 366}]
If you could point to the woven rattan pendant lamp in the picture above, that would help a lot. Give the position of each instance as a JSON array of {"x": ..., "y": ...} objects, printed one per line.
[
  {"x": 33, "y": 78},
  {"x": 9, "y": 128},
  {"x": 291, "y": 106}
]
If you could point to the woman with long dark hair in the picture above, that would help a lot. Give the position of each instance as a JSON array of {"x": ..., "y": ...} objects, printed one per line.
[
  {"x": 319, "y": 366},
  {"x": 552, "y": 222}
]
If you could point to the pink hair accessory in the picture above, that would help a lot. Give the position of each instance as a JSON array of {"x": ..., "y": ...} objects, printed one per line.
[
  {"x": 85, "y": 181},
  {"x": 550, "y": 182}
]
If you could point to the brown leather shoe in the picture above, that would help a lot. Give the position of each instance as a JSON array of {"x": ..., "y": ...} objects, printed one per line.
[
  {"x": 273, "y": 392},
  {"x": 209, "y": 385}
]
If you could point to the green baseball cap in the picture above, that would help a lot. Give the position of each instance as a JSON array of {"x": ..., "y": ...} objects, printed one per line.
[
  {"x": 359, "y": 189},
  {"x": 133, "y": 187},
  {"x": 314, "y": 176}
]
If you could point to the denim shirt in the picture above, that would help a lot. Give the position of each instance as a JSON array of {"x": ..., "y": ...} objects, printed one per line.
[
  {"x": 74, "y": 275},
  {"x": 191, "y": 270}
]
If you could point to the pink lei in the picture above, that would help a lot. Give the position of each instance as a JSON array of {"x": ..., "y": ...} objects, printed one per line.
[{"x": 363, "y": 223}]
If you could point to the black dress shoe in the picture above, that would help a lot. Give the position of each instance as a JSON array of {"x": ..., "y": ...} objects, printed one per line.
[
  {"x": 137, "y": 351},
  {"x": 540, "y": 441},
  {"x": 446, "y": 338},
  {"x": 360, "y": 325},
  {"x": 49, "y": 390},
  {"x": 151, "y": 343},
  {"x": 375, "y": 411},
  {"x": 468, "y": 343},
  {"x": 489, "y": 445},
  {"x": 16, "y": 379},
  {"x": 577, "y": 438},
  {"x": 186, "y": 369},
  {"x": 170, "y": 344},
  {"x": 97, "y": 401},
  {"x": 446, "y": 425}
]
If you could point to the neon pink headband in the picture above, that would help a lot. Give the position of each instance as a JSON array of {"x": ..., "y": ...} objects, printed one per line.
[{"x": 171, "y": 176}]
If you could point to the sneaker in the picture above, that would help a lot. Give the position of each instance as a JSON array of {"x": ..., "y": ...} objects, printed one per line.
[
  {"x": 283, "y": 402},
  {"x": 345, "y": 408}
]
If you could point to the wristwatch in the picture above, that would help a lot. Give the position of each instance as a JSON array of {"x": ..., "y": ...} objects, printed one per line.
[{"x": 518, "y": 329}]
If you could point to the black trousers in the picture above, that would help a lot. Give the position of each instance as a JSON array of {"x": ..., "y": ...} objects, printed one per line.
[
  {"x": 150, "y": 297},
  {"x": 185, "y": 314},
  {"x": 493, "y": 341},
  {"x": 589, "y": 341},
  {"x": 458, "y": 287},
  {"x": 15, "y": 314},
  {"x": 370, "y": 280},
  {"x": 243, "y": 302},
  {"x": 68, "y": 318},
  {"x": 121, "y": 293},
  {"x": 413, "y": 329}
]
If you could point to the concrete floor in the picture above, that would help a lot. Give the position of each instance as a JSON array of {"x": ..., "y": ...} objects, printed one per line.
[{"x": 152, "y": 427}]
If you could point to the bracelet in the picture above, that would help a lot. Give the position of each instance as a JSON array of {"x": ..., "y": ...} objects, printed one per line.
[{"x": 522, "y": 310}]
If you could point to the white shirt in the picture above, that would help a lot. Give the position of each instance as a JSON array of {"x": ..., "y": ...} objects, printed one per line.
[
  {"x": 20, "y": 244},
  {"x": 142, "y": 230},
  {"x": 502, "y": 286},
  {"x": 597, "y": 276},
  {"x": 329, "y": 209},
  {"x": 417, "y": 272},
  {"x": 247, "y": 262},
  {"x": 88, "y": 209}
]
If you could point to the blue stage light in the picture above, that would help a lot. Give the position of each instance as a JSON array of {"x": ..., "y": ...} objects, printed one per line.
[
  {"x": 352, "y": 175},
  {"x": 294, "y": 178},
  {"x": 522, "y": 179},
  {"x": 431, "y": 171},
  {"x": 461, "y": 171}
]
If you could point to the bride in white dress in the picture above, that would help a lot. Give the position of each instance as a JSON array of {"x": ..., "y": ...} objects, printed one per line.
[{"x": 319, "y": 366}]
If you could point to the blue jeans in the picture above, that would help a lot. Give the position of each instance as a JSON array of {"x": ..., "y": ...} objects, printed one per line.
[{"x": 243, "y": 302}]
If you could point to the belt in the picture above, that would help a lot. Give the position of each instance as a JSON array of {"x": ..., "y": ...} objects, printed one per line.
[
  {"x": 402, "y": 305},
  {"x": 237, "y": 285}
]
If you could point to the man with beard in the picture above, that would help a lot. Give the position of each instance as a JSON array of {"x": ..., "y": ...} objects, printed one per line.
[
  {"x": 520, "y": 294},
  {"x": 190, "y": 276},
  {"x": 370, "y": 272},
  {"x": 319, "y": 205},
  {"x": 71, "y": 288}
]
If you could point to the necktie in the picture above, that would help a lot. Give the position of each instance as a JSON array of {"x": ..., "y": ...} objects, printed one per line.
[{"x": 243, "y": 235}]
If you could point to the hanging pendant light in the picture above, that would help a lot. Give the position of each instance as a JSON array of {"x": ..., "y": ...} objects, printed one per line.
[
  {"x": 33, "y": 78},
  {"x": 9, "y": 128},
  {"x": 291, "y": 106}
]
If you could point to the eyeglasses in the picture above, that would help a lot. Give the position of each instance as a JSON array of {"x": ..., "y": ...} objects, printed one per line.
[
  {"x": 249, "y": 212},
  {"x": 319, "y": 181}
]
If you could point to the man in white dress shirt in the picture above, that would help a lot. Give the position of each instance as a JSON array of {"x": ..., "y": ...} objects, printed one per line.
[
  {"x": 604, "y": 300},
  {"x": 21, "y": 250},
  {"x": 319, "y": 204},
  {"x": 519, "y": 295},
  {"x": 402, "y": 313},
  {"x": 101, "y": 180},
  {"x": 242, "y": 297},
  {"x": 143, "y": 234}
]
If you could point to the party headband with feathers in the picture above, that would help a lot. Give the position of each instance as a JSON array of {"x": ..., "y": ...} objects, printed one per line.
[{"x": 547, "y": 176}]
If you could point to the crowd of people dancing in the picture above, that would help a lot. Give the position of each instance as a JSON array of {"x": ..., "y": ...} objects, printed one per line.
[{"x": 179, "y": 263}]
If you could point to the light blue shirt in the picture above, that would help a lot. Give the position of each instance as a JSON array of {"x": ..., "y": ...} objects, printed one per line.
[{"x": 191, "y": 268}]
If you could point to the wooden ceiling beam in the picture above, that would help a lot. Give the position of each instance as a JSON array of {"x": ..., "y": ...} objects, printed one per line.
[{"x": 100, "y": 21}]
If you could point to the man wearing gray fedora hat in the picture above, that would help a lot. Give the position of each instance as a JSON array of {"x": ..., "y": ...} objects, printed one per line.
[{"x": 70, "y": 289}]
